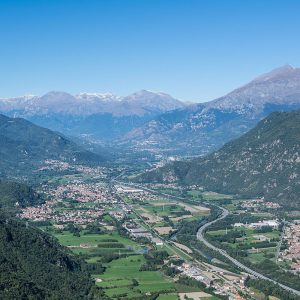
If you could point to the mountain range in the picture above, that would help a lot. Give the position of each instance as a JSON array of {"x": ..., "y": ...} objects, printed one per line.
[
  {"x": 264, "y": 162},
  {"x": 85, "y": 104},
  {"x": 158, "y": 123},
  {"x": 103, "y": 117},
  {"x": 24, "y": 145},
  {"x": 202, "y": 128}
]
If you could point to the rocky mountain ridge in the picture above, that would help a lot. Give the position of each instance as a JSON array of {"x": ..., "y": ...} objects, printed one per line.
[
  {"x": 85, "y": 104},
  {"x": 201, "y": 128},
  {"x": 158, "y": 123}
]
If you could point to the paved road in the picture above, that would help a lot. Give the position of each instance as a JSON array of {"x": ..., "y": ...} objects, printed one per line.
[{"x": 201, "y": 238}]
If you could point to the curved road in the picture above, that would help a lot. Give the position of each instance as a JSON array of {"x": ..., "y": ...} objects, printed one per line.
[{"x": 201, "y": 238}]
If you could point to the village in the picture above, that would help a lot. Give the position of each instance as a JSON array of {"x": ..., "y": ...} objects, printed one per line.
[
  {"x": 259, "y": 204},
  {"x": 71, "y": 168},
  {"x": 75, "y": 202},
  {"x": 290, "y": 249}
]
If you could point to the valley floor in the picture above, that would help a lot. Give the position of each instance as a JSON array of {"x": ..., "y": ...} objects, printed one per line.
[{"x": 140, "y": 241}]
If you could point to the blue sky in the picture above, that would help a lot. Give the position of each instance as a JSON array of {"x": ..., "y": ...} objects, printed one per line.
[{"x": 195, "y": 50}]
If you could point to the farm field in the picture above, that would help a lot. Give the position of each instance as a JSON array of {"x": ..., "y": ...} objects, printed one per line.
[
  {"x": 164, "y": 216},
  {"x": 210, "y": 196},
  {"x": 167, "y": 297},
  {"x": 163, "y": 208},
  {"x": 94, "y": 246},
  {"x": 123, "y": 276},
  {"x": 67, "y": 238},
  {"x": 261, "y": 254}
]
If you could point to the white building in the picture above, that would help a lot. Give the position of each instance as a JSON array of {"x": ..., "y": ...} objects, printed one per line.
[{"x": 270, "y": 223}]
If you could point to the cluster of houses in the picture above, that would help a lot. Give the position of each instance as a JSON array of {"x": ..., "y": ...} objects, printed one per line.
[
  {"x": 82, "y": 192},
  {"x": 259, "y": 203},
  {"x": 48, "y": 212},
  {"x": 80, "y": 217},
  {"x": 291, "y": 237},
  {"x": 162, "y": 186},
  {"x": 38, "y": 213},
  {"x": 137, "y": 194},
  {"x": 58, "y": 165},
  {"x": 88, "y": 203}
]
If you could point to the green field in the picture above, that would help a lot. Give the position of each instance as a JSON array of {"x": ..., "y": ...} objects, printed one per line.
[
  {"x": 96, "y": 245},
  {"x": 168, "y": 297},
  {"x": 260, "y": 256},
  {"x": 195, "y": 194},
  {"x": 250, "y": 237},
  {"x": 210, "y": 196},
  {"x": 164, "y": 210},
  {"x": 218, "y": 232},
  {"x": 68, "y": 239},
  {"x": 117, "y": 279}
]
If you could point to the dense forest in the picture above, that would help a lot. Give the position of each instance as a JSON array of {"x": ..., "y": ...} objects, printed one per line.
[
  {"x": 13, "y": 194},
  {"x": 34, "y": 266}
]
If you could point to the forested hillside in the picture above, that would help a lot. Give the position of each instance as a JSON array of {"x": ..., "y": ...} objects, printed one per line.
[
  {"x": 24, "y": 145},
  {"x": 263, "y": 162},
  {"x": 34, "y": 266},
  {"x": 14, "y": 194}
]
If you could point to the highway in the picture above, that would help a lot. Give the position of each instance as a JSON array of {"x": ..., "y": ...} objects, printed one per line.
[{"x": 201, "y": 238}]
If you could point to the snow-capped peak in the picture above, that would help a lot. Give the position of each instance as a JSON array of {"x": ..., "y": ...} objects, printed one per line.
[
  {"x": 87, "y": 103},
  {"x": 98, "y": 96}
]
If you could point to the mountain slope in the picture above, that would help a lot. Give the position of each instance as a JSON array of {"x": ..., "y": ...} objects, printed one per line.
[
  {"x": 14, "y": 194},
  {"x": 23, "y": 145},
  {"x": 199, "y": 129},
  {"x": 34, "y": 265},
  {"x": 263, "y": 162}
]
